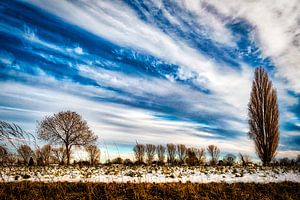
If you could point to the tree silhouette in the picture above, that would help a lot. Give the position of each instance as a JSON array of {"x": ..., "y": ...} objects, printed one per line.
[
  {"x": 94, "y": 154},
  {"x": 171, "y": 152},
  {"x": 150, "y": 152},
  {"x": 263, "y": 116},
  {"x": 139, "y": 152},
  {"x": 214, "y": 152},
  {"x": 68, "y": 129},
  {"x": 161, "y": 151}
]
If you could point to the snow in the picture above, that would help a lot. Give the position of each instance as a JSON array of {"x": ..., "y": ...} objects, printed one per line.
[{"x": 122, "y": 174}]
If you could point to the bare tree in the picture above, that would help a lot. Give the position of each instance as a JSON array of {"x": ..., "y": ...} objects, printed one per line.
[
  {"x": 43, "y": 155},
  {"x": 25, "y": 152},
  {"x": 139, "y": 152},
  {"x": 263, "y": 116},
  {"x": 59, "y": 155},
  {"x": 201, "y": 155},
  {"x": 161, "y": 151},
  {"x": 94, "y": 154},
  {"x": 192, "y": 159},
  {"x": 245, "y": 159},
  {"x": 66, "y": 128},
  {"x": 181, "y": 152},
  {"x": 171, "y": 150},
  {"x": 214, "y": 152},
  {"x": 150, "y": 152}
]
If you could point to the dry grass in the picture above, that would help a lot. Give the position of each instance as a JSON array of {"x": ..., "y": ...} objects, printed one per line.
[{"x": 67, "y": 190}]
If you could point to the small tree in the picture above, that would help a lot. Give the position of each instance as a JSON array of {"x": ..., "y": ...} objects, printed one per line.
[
  {"x": 201, "y": 155},
  {"x": 25, "y": 152},
  {"x": 245, "y": 159},
  {"x": 161, "y": 151},
  {"x": 181, "y": 153},
  {"x": 139, "y": 152},
  {"x": 192, "y": 159},
  {"x": 214, "y": 152},
  {"x": 263, "y": 116},
  {"x": 94, "y": 154},
  {"x": 171, "y": 150},
  {"x": 43, "y": 155},
  {"x": 150, "y": 152},
  {"x": 59, "y": 155},
  {"x": 68, "y": 129},
  {"x": 229, "y": 159}
]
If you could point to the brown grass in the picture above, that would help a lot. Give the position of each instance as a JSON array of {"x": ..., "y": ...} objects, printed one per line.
[{"x": 67, "y": 190}]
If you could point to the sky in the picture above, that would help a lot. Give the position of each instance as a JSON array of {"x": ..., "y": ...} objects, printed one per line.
[{"x": 163, "y": 71}]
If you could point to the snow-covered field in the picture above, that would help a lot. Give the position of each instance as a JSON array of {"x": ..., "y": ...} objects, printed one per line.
[{"x": 120, "y": 173}]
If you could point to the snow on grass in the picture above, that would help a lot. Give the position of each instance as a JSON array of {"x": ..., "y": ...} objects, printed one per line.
[{"x": 137, "y": 174}]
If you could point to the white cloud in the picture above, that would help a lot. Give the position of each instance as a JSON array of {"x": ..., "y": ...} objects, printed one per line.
[{"x": 276, "y": 31}]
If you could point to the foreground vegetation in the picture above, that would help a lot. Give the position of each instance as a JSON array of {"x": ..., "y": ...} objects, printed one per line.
[{"x": 66, "y": 190}]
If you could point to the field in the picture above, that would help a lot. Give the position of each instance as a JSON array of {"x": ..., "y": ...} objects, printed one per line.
[
  {"x": 150, "y": 174},
  {"x": 67, "y": 190}
]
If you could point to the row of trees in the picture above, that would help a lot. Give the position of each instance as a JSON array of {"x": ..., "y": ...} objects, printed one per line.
[
  {"x": 175, "y": 154},
  {"x": 44, "y": 155}
]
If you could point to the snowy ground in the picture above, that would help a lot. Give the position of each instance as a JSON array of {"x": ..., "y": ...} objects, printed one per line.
[{"x": 119, "y": 173}]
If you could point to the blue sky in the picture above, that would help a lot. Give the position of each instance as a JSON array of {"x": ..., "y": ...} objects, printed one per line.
[{"x": 151, "y": 71}]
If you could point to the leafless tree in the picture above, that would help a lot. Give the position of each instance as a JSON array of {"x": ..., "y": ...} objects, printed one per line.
[
  {"x": 201, "y": 155},
  {"x": 191, "y": 156},
  {"x": 171, "y": 151},
  {"x": 150, "y": 152},
  {"x": 161, "y": 151},
  {"x": 214, "y": 152},
  {"x": 68, "y": 129},
  {"x": 139, "y": 152},
  {"x": 181, "y": 152},
  {"x": 245, "y": 159},
  {"x": 94, "y": 154},
  {"x": 263, "y": 116},
  {"x": 43, "y": 155},
  {"x": 25, "y": 152},
  {"x": 59, "y": 155}
]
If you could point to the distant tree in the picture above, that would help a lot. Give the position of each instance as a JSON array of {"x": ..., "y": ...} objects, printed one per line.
[
  {"x": 263, "y": 116},
  {"x": 181, "y": 153},
  {"x": 214, "y": 153},
  {"x": 161, "y": 151},
  {"x": 171, "y": 151},
  {"x": 127, "y": 162},
  {"x": 94, "y": 153},
  {"x": 59, "y": 155},
  {"x": 117, "y": 160},
  {"x": 139, "y": 152},
  {"x": 285, "y": 161},
  {"x": 229, "y": 159},
  {"x": 191, "y": 158},
  {"x": 68, "y": 129},
  {"x": 25, "y": 152},
  {"x": 201, "y": 155},
  {"x": 43, "y": 154},
  {"x": 150, "y": 152},
  {"x": 245, "y": 159}
]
